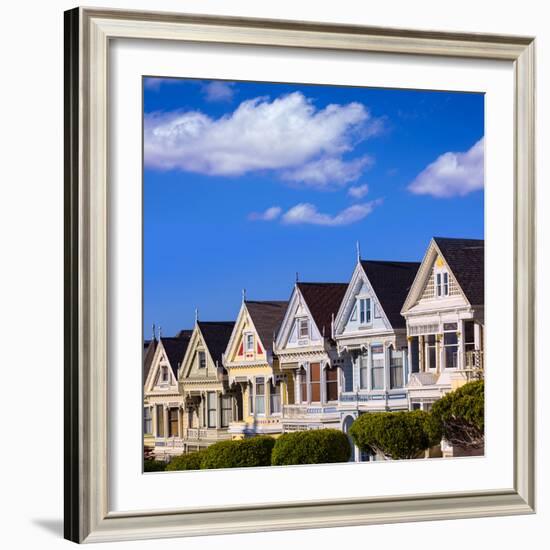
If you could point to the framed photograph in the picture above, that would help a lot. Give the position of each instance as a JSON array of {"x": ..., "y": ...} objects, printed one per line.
[{"x": 280, "y": 309}]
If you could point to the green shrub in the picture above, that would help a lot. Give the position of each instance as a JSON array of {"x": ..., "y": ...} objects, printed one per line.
[
  {"x": 395, "y": 435},
  {"x": 151, "y": 465},
  {"x": 191, "y": 461},
  {"x": 311, "y": 447},
  {"x": 459, "y": 416},
  {"x": 243, "y": 453}
]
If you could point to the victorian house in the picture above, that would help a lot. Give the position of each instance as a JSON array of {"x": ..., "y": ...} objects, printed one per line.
[
  {"x": 254, "y": 370},
  {"x": 307, "y": 354},
  {"x": 209, "y": 405},
  {"x": 163, "y": 404},
  {"x": 444, "y": 311},
  {"x": 370, "y": 335}
]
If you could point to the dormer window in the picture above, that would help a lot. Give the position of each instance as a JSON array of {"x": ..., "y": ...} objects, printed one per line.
[
  {"x": 365, "y": 311},
  {"x": 303, "y": 328},
  {"x": 442, "y": 284},
  {"x": 249, "y": 342},
  {"x": 202, "y": 359}
]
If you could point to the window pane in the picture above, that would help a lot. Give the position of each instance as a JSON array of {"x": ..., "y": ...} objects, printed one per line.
[
  {"x": 377, "y": 378},
  {"x": 160, "y": 420},
  {"x": 275, "y": 397},
  {"x": 332, "y": 383},
  {"x": 363, "y": 371},
  {"x": 315, "y": 381}
]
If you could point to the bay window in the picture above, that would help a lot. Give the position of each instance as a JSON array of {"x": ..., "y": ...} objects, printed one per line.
[{"x": 331, "y": 374}]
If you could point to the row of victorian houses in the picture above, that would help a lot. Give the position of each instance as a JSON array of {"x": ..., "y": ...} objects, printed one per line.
[{"x": 398, "y": 336}]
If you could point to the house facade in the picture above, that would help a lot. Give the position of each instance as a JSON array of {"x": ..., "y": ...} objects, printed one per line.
[
  {"x": 307, "y": 355},
  {"x": 254, "y": 370},
  {"x": 209, "y": 405},
  {"x": 444, "y": 312},
  {"x": 163, "y": 412},
  {"x": 371, "y": 340}
]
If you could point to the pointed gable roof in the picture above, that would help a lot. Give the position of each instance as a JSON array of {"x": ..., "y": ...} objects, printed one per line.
[
  {"x": 175, "y": 348},
  {"x": 391, "y": 282},
  {"x": 466, "y": 259},
  {"x": 216, "y": 336},
  {"x": 149, "y": 347},
  {"x": 323, "y": 300},
  {"x": 267, "y": 317}
]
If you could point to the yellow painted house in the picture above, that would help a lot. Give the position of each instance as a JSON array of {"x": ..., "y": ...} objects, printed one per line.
[{"x": 252, "y": 368}]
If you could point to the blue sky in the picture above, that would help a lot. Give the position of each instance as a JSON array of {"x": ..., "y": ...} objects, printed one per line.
[{"x": 246, "y": 184}]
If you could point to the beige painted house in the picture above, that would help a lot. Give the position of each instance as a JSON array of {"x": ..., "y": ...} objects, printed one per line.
[
  {"x": 209, "y": 403},
  {"x": 163, "y": 404}
]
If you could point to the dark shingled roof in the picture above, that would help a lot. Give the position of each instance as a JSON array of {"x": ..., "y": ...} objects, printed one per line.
[
  {"x": 466, "y": 258},
  {"x": 216, "y": 335},
  {"x": 267, "y": 317},
  {"x": 323, "y": 300},
  {"x": 149, "y": 347},
  {"x": 175, "y": 347},
  {"x": 391, "y": 282}
]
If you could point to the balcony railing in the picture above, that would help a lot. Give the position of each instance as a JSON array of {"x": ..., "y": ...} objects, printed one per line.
[
  {"x": 301, "y": 411},
  {"x": 206, "y": 433}
]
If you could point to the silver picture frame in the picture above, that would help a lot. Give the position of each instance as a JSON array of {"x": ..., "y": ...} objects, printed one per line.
[{"x": 87, "y": 37}]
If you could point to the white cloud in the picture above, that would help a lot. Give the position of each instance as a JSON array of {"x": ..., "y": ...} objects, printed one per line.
[
  {"x": 218, "y": 90},
  {"x": 306, "y": 213},
  {"x": 268, "y": 215},
  {"x": 328, "y": 172},
  {"x": 154, "y": 83},
  {"x": 452, "y": 174},
  {"x": 359, "y": 191},
  {"x": 286, "y": 133}
]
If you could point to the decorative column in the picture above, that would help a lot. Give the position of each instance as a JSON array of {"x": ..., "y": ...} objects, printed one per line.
[
  {"x": 369, "y": 367},
  {"x": 154, "y": 420},
  {"x": 387, "y": 350},
  {"x": 165, "y": 419},
  {"x": 460, "y": 336},
  {"x": 421, "y": 356}
]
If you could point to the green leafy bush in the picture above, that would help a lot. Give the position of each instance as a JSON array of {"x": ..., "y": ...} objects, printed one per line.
[
  {"x": 395, "y": 435},
  {"x": 459, "y": 416},
  {"x": 191, "y": 461},
  {"x": 311, "y": 447},
  {"x": 151, "y": 465},
  {"x": 243, "y": 453}
]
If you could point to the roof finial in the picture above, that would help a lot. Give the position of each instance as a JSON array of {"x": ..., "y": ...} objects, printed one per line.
[
  {"x": 160, "y": 332},
  {"x": 244, "y": 294},
  {"x": 154, "y": 334},
  {"x": 297, "y": 277},
  {"x": 196, "y": 315},
  {"x": 358, "y": 246}
]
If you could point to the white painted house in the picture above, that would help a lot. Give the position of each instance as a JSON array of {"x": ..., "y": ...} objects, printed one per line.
[
  {"x": 370, "y": 334},
  {"x": 444, "y": 311}
]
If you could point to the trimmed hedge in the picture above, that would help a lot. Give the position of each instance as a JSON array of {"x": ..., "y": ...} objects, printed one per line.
[
  {"x": 396, "y": 435},
  {"x": 311, "y": 447},
  {"x": 191, "y": 461},
  {"x": 459, "y": 416},
  {"x": 243, "y": 453},
  {"x": 151, "y": 465}
]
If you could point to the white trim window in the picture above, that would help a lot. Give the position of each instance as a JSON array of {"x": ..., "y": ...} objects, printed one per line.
[
  {"x": 164, "y": 376},
  {"x": 249, "y": 342},
  {"x": 365, "y": 311},
  {"x": 259, "y": 396},
  {"x": 211, "y": 398},
  {"x": 303, "y": 328},
  {"x": 441, "y": 284},
  {"x": 147, "y": 420},
  {"x": 202, "y": 359}
]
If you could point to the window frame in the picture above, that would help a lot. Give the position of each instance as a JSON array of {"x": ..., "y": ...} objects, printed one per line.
[
  {"x": 365, "y": 316},
  {"x": 303, "y": 321},
  {"x": 248, "y": 335},
  {"x": 211, "y": 410},
  {"x": 201, "y": 357}
]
